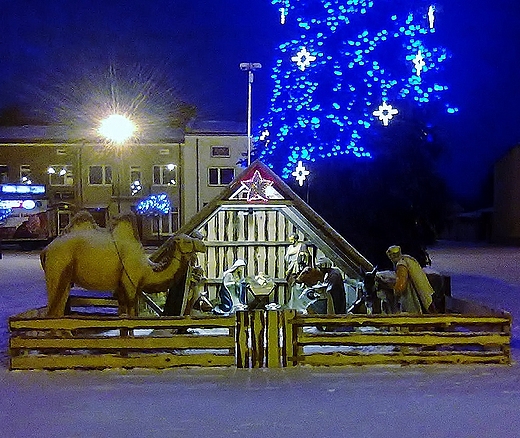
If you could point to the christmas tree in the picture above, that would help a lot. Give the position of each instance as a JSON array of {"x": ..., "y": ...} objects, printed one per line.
[{"x": 347, "y": 72}]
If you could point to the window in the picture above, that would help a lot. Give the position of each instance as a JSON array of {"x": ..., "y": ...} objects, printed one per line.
[
  {"x": 220, "y": 176},
  {"x": 219, "y": 151},
  {"x": 4, "y": 173},
  {"x": 63, "y": 219},
  {"x": 100, "y": 175},
  {"x": 165, "y": 225},
  {"x": 165, "y": 175},
  {"x": 135, "y": 180},
  {"x": 25, "y": 174},
  {"x": 60, "y": 175}
]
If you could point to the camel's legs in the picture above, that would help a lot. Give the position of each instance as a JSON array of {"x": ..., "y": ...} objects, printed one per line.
[{"x": 58, "y": 283}]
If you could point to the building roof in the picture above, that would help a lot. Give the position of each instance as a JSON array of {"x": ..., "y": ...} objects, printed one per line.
[
  {"x": 258, "y": 187},
  {"x": 155, "y": 133},
  {"x": 216, "y": 127},
  {"x": 35, "y": 134}
]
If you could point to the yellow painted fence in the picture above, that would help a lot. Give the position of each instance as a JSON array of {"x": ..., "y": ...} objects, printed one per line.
[{"x": 471, "y": 334}]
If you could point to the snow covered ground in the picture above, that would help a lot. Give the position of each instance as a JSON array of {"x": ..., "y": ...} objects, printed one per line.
[{"x": 377, "y": 401}]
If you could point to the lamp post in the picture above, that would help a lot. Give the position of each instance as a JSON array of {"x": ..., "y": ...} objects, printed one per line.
[
  {"x": 250, "y": 67},
  {"x": 117, "y": 129}
]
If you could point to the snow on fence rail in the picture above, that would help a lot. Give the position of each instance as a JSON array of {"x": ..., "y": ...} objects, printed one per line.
[
  {"x": 96, "y": 342},
  {"x": 397, "y": 339},
  {"x": 471, "y": 334}
]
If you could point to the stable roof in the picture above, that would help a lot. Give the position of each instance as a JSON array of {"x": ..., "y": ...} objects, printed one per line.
[{"x": 258, "y": 188}]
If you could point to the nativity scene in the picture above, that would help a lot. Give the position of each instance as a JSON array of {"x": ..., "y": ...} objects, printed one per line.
[{"x": 255, "y": 279}]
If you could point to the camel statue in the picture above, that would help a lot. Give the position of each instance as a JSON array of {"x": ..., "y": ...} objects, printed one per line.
[{"x": 111, "y": 260}]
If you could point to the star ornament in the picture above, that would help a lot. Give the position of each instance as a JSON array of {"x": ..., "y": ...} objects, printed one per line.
[
  {"x": 264, "y": 136},
  {"x": 257, "y": 187},
  {"x": 300, "y": 174},
  {"x": 431, "y": 16},
  {"x": 385, "y": 113},
  {"x": 303, "y": 59},
  {"x": 418, "y": 63}
]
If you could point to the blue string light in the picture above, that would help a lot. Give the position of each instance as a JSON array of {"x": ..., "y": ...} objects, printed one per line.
[
  {"x": 5, "y": 213},
  {"x": 348, "y": 58},
  {"x": 154, "y": 205}
]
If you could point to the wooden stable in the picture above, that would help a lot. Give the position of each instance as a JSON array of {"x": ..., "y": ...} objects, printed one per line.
[
  {"x": 252, "y": 219},
  {"x": 468, "y": 334}
]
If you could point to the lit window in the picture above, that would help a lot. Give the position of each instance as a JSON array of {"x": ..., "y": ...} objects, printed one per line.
[
  {"x": 220, "y": 176},
  {"x": 165, "y": 175},
  {"x": 100, "y": 175},
  {"x": 25, "y": 174},
  {"x": 135, "y": 180},
  {"x": 60, "y": 175},
  {"x": 4, "y": 173}
]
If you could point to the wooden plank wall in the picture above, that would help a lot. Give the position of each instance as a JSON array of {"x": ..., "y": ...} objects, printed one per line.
[{"x": 260, "y": 237}]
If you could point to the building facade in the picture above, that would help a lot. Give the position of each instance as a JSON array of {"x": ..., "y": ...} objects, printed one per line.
[
  {"x": 106, "y": 179},
  {"x": 506, "y": 203}
]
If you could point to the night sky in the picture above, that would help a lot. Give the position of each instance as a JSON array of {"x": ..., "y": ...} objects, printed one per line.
[{"x": 190, "y": 51}]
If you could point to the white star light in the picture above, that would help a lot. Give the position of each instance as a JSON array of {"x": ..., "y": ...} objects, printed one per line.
[
  {"x": 257, "y": 187},
  {"x": 419, "y": 63},
  {"x": 303, "y": 59},
  {"x": 300, "y": 174},
  {"x": 264, "y": 136},
  {"x": 431, "y": 16},
  {"x": 385, "y": 113},
  {"x": 282, "y": 15}
]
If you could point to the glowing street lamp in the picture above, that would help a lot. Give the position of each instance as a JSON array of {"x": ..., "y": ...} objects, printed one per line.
[{"x": 117, "y": 128}]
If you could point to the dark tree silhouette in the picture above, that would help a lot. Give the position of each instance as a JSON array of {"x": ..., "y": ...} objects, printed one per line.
[{"x": 394, "y": 198}]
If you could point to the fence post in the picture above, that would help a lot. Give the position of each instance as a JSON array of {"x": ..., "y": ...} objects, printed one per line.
[
  {"x": 243, "y": 352},
  {"x": 258, "y": 338},
  {"x": 273, "y": 322},
  {"x": 289, "y": 350}
]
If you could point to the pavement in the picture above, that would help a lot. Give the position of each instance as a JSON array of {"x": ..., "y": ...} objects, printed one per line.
[{"x": 366, "y": 401}]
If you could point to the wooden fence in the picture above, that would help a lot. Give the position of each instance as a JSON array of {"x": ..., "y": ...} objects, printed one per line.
[
  {"x": 96, "y": 342},
  {"x": 474, "y": 334},
  {"x": 398, "y": 339}
]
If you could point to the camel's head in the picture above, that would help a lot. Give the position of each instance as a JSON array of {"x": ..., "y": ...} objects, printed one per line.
[
  {"x": 189, "y": 245},
  {"x": 180, "y": 247}
]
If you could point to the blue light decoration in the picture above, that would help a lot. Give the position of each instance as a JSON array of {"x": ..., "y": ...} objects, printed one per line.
[
  {"x": 154, "y": 205},
  {"x": 22, "y": 189},
  {"x": 343, "y": 62},
  {"x": 4, "y": 213}
]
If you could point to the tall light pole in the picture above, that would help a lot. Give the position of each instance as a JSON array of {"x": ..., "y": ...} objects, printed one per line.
[
  {"x": 117, "y": 129},
  {"x": 250, "y": 67}
]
